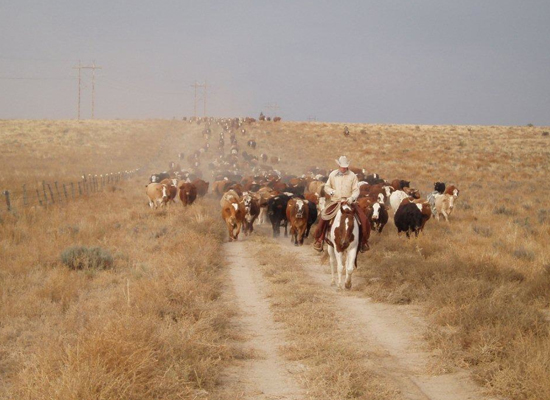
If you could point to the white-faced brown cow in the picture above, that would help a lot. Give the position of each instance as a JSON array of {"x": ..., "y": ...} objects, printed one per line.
[
  {"x": 297, "y": 214},
  {"x": 158, "y": 194},
  {"x": 232, "y": 213},
  {"x": 251, "y": 212}
]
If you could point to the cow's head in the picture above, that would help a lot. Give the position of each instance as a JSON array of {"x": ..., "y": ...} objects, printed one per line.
[
  {"x": 451, "y": 201},
  {"x": 299, "y": 208},
  {"x": 376, "y": 211}
]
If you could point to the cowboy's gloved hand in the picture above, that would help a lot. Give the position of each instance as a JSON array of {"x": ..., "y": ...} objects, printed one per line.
[{"x": 349, "y": 200}]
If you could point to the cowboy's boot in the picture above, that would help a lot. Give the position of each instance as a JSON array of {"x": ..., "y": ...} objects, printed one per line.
[{"x": 318, "y": 245}]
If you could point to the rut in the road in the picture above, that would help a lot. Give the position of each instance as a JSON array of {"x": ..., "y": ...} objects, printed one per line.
[{"x": 267, "y": 375}]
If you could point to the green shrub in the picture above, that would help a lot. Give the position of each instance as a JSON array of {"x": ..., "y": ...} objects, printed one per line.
[{"x": 81, "y": 257}]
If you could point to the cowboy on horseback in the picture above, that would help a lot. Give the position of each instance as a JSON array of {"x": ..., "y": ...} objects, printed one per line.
[{"x": 342, "y": 185}]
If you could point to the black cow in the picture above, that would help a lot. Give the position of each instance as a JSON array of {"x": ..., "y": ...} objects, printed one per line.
[
  {"x": 276, "y": 210},
  {"x": 374, "y": 179},
  {"x": 408, "y": 219},
  {"x": 296, "y": 190},
  {"x": 404, "y": 184},
  {"x": 157, "y": 178},
  {"x": 439, "y": 187},
  {"x": 312, "y": 216}
]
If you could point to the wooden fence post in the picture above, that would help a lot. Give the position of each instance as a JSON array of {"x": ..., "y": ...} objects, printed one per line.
[
  {"x": 72, "y": 189},
  {"x": 65, "y": 191},
  {"x": 38, "y": 196},
  {"x": 44, "y": 190},
  {"x": 51, "y": 193},
  {"x": 79, "y": 189},
  {"x": 8, "y": 203},
  {"x": 25, "y": 195},
  {"x": 57, "y": 191}
]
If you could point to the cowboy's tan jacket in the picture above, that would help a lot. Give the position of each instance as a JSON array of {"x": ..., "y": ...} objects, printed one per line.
[{"x": 341, "y": 186}]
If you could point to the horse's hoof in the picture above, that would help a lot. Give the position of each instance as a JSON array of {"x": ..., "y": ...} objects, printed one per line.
[
  {"x": 348, "y": 285},
  {"x": 332, "y": 283}
]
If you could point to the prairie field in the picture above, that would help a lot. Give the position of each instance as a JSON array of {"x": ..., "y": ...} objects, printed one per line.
[{"x": 155, "y": 320}]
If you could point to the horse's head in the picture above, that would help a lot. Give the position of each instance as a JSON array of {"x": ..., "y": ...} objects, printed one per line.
[{"x": 343, "y": 234}]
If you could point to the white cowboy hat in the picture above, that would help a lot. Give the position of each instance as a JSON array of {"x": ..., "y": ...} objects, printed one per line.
[{"x": 343, "y": 162}]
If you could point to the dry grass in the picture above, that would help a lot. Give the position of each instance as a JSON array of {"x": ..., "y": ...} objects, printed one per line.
[
  {"x": 149, "y": 327},
  {"x": 485, "y": 277},
  {"x": 335, "y": 367},
  {"x": 152, "y": 325}
]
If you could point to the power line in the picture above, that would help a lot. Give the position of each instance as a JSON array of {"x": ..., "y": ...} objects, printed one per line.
[
  {"x": 23, "y": 78},
  {"x": 123, "y": 86},
  {"x": 273, "y": 107}
]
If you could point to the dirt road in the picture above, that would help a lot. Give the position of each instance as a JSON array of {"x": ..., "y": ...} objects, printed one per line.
[{"x": 392, "y": 334}]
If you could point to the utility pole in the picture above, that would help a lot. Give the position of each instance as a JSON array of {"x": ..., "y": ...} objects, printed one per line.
[
  {"x": 204, "y": 99},
  {"x": 79, "y": 80},
  {"x": 196, "y": 86},
  {"x": 80, "y": 67},
  {"x": 93, "y": 88}
]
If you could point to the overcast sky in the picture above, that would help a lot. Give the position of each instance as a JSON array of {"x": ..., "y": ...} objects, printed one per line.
[{"x": 419, "y": 62}]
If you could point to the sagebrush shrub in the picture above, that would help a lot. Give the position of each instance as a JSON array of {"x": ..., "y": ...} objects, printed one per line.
[{"x": 81, "y": 257}]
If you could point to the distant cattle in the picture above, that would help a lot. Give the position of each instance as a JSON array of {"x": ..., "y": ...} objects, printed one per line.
[
  {"x": 276, "y": 119},
  {"x": 297, "y": 214},
  {"x": 251, "y": 143}
]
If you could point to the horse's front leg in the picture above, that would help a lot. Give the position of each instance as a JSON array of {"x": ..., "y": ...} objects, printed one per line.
[
  {"x": 332, "y": 264},
  {"x": 350, "y": 266},
  {"x": 340, "y": 264}
]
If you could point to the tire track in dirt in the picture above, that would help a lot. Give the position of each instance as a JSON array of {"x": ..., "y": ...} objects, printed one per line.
[
  {"x": 266, "y": 375},
  {"x": 393, "y": 335}
]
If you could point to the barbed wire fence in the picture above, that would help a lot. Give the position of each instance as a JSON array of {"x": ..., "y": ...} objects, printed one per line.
[
  {"x": 60, "y": 192},
  {"x": 56, "y": 192}
]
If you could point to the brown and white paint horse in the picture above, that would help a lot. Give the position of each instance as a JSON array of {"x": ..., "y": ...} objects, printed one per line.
[{"x": 343, "y": 241}]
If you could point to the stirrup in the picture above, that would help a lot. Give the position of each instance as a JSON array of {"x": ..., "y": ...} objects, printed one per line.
[{"x": 318, "y": 246}]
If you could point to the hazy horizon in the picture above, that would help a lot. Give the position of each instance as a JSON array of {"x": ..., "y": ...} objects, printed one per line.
[{"x": 431, "y": 62}]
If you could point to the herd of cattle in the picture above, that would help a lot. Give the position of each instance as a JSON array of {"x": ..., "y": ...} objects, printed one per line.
[{"x": 251, "y": 190}]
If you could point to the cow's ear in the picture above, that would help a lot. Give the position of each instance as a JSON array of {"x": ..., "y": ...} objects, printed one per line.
[{"x": 306, "y": 201}]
